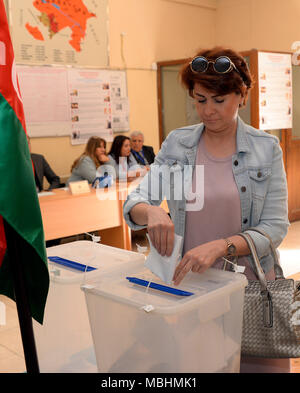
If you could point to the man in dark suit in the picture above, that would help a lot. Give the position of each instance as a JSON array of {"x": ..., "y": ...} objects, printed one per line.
[
  {"x": 41, "y": 169},
  {"x": 144, "y": 155}
]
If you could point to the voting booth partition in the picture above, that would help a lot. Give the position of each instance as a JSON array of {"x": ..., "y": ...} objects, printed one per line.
[
  {"x": 64, "y": 342},
  {"x": 138, "y": 326}
]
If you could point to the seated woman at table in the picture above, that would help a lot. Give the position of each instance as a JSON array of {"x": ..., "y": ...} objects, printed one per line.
[
  {"x": 85, "y": 167},
  {"x": 121, "y": 159}
]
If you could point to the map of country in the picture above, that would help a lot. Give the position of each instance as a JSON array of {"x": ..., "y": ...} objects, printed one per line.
[{"x": 59, "y": 14}]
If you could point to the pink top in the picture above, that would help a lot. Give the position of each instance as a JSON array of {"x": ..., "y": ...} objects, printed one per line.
[{"x": 220, "y": 216}]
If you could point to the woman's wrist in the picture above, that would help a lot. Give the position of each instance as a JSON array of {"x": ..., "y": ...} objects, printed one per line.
[
  {"x": 221, "y": 248},
  {"x": 240, "y": 246},
  {"x": 149, "y": 209},
  {"x": 139, "y": 214}
]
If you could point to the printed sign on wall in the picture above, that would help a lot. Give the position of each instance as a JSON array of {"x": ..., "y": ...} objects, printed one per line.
[{"x": 275, "y": 91}]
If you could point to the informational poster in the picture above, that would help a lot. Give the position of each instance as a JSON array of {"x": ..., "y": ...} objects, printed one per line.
[
  {"x": 77, "y": 102},
  {"x": 45, "y": 98},
  {"x": 275, "y": 91},
  {"x": 97, "y": 99},
  {"x": 119, "y": 100},
  {"x": 61, "y": 32}
]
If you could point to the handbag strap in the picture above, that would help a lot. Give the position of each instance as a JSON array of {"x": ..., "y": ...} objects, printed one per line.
[
  {"x": 259, "y": 271},
  {"x": 266, "y": 297},
  {"x": 277, "y": 268}
]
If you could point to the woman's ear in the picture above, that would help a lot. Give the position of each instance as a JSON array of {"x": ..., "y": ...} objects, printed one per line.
[
  {"x": 242, "y": 101},
  {"x": 243, "y": 97}
]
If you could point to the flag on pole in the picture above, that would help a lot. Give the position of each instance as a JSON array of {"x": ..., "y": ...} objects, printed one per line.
[{"x": 19, "y": 204}]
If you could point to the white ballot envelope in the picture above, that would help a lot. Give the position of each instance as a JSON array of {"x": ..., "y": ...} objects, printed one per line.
[{"x": 164, "y": 266}]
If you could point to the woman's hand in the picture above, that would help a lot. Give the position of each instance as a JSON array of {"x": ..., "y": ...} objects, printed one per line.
[
  {"x": 161, "y": 230},
  {"x": 199, "y": 259},
  {"x": 103, "y": 158}
]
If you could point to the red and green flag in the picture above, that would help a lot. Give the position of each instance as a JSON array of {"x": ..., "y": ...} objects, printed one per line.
[{"x": 19, "y": 205}]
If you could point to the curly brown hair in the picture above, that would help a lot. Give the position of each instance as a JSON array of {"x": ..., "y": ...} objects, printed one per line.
[{"x": 221, "y": 84}]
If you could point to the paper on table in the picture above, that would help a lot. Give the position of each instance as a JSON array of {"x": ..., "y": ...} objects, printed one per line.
[
  {"x": 164, "y": 266},
  {"x": 45, "y": 193}
]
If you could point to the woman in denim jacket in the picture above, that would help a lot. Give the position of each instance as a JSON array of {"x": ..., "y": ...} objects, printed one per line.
[{"x": 220, "y": 177}]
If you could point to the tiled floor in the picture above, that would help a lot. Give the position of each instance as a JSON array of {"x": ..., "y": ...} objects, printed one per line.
[{"x": 11, "y": 350}]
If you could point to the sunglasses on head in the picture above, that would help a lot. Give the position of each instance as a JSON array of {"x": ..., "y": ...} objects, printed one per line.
[{"x": 221, "y": 65}]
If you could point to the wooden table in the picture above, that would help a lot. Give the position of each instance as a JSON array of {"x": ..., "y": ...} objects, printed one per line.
[{"x": 100, "y": 210}]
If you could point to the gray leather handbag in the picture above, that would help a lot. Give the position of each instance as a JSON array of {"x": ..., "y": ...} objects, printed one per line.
[{"x": 271, "y": 320}]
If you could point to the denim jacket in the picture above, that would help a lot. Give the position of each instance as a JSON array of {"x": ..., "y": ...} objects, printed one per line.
[{"x": 259, "y": 174}]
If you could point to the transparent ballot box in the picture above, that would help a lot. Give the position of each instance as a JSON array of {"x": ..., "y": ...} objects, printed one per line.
[
  {"x": 64, "y": 342},
  {"x": 137, "y": 328}
]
